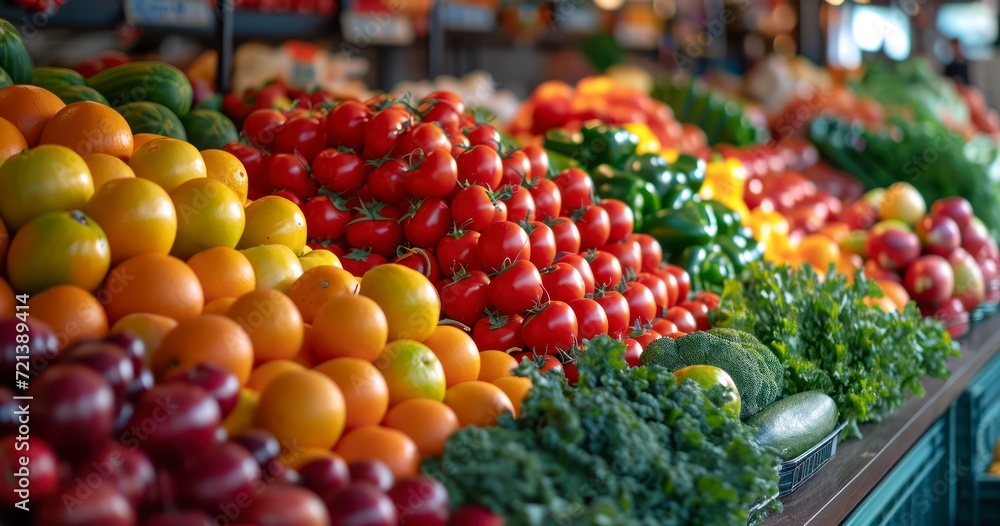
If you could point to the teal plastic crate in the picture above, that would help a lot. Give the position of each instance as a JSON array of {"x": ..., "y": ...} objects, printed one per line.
[
  {"x": 919, "y": 490},
  {"x": 978, "y": 429}
]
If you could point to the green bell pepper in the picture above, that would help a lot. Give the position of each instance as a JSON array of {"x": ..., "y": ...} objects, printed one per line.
[
  {"x": 616, "y": 183},
  {"x": 691, "y": 224},
  {"x": 727, "y": 218},
  {"x": 708, "y": 266},
  {"x": 563, "y": 142},
  {"x": 603, "y": 144},
  {"x": 693, "y": 168}
]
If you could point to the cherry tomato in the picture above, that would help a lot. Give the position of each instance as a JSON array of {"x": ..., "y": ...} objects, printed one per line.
[
  {"x": 572, "y": 375},
  {"x": 594, "y": 226},
  {"x": 641, "y": 304},
  {"x": 700, "y": 312},
  {"x": 562, "y": 282},
  {"x": 383, "y": 129},
  {"x": 652, "y": 253},
  {"x": 710, "y": 299},
  {"x": 582, "y": 267},
  {"x": 325, "y": 218},
  {"x": 484, "y": 135},
  {"x": 664, "y": 326},
  {"x": 502, "y": 243},
  {"x": 621, "y": 219},
  {"x": 448, "y": 96},
  {"x": 628, "y": 254},
  {"x": 521, "y": 206},
  {"x": 498, "y": 333},
  {"x": 551, "y": 329},
  {"x": 256, "y": 166},
  {"x": 427, "y": 222},
  {"x": 566, "y": 234},
  {"x": 443, "y": 112},
  {"x": 516, "y": 289},
  {"x": 643, "y": 338},
  {"x": 499, "y": 212},
  {"x": 422, "y": 261},
  {"x": 539, "y": 161},
  {"x": 291, "y": 196},
  {"x": 457, "y": 250},
  {"x": 464, "y": 298},
  {"x": 260, "y": 127},
  {"x": 549, "y": 363},
  {"x": 305, "y": 135},
  {"x": 616, "y": 310},
  {"x": 432, "y": 176},
  {"x": 543, "y": 243},
  {"x": 338, "y": 171},
  {"x": 548, "y": 198},
  {"x": 516, "y": 169},
  {"x": 480, "y": 165},
  {"x": 473, "y": 208},
  {"x": 376, "y": 227},
  {"x": 386, "y": 182},
  {"x": 459, "y": 144},
  {"x": 576, "y": 188},
  {"x": 683, "y": 319},
  {"x": 590, "y": 318},
  {"x": 633, "y": 351},
  {"x": 424, "y": 136},
  {"x": 606, "y": 268},
  {"x": 658, "y": 288},
  {"x": 346, "y": 123},
  {"x": 285, "y": 171},
  {"x": 683, "y": 282},
  {"x": 358, "y": 261}
]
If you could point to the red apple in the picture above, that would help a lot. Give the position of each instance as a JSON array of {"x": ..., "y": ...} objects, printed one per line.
[
  {"x": 179, "y": 518},
  {"x": 373, "y": 472},
  {"x": 103, "y": 505},
  {"x": 893, "y": 248},
  {"x": 28, "y": 469},
  {"x": 260, "y": 443},
  {"x": 861, "y": 215},
  {"x": 975, "y": 237},
  {"x": 325, "y": 476},
  {"x": 938, "y": 234},
  {"x": 362, "y": 503},
  {"x": 420, "y": 501},
  {"x": 107, "y": 360},
  {"x": 970, "y": 288},
  {"x": 222, "y": 476},
  {"x": 929, "y": 280},
  {"x": 957, "y": 208},
  {"x": 874, "y": 271},
  {"x": 73, "y": 409},
  {"x": 216, "y": 380},
  {"x": 43, "y": 347},
  {"x": 475, "y": 516},
  {"x": 173, "y": 422},
  {"x": 285, "y": 505},
  {"x": 953, "y": 314},
  {"x": 129, "y": 470},
  {"x": 903, "y": 202}
]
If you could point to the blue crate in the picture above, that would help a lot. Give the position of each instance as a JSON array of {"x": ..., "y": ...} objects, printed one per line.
[
  {"x": 793, "y": 473},
  {"x": 978, "y": 430}
]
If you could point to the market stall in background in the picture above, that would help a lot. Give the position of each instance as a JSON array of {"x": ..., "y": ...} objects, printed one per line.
[{"x": 515, "y": 262}]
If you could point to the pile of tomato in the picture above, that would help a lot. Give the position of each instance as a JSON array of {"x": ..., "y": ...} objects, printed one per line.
[{"x": 524, "y": 255}]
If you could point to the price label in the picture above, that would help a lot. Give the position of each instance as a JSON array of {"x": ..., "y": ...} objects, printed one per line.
[{"x": 170, "y": 13}]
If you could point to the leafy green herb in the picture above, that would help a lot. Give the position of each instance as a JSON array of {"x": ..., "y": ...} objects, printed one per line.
[
  {"x": 622, "y": 446},
  {"x": 831, "y": 341}
]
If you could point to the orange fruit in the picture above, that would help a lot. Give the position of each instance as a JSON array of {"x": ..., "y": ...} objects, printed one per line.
[
  {"x": 317, "y": 285},
  {"x": 516, "y": 388},
  {"x": 392, "y": 447},
  {"x": 265, "y": 373},
  {"x": 412, "y": 371},
  {"x": 302, "y": 408},
  {"x": 89, "y": 127},
  {"x": 73, "y": 313},
  {"x": 224, "y": 167},
  {"x": 218, "y": 306},
  {"x": 29, "y": 108},
  {"x": 11, "y": 140},
  {"x": 366, "y": 394},
  {"x": 58, "y": 248},
  {"x": 457, "y": 353},
  {"x": 836, "y": 231},
  {"x": 428, "y": 423},
  {"x": 348, "y": 326},
  {"x": 223, "y": 273},
  {"x": 895, "y": 292},
  {"x": 104, "y": 168},
  {"x": 152, "y": 283},
  {"x": 8, "y": 304},
  {"x": 319, "y": 257},
  {"x": 205, "y": 338},
  {"x": 274, "y": 266},
  {"x": 494, "y": 365},
  {"x": 136, "y": 215},
  {"x": 274, "y": 220},
  {"x": 49, "y": 178},
  {"x": 209, "y": 215},
  {"x": 272, "y": 321},
  {"x": 140, "y": 139},
  {"x": 477, "y": 403},
  {"x": 150, "y": 328},
  {"x": 408, "y": 299},
  {"x": 820, "y": 251},
  {"x": 167, "y": 162},
  {"x": 306, "y": 357}
]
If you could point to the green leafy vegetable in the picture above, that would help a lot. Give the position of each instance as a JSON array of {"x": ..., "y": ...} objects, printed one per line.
[
  {"x": 831, "y": 341},
  {"x": 622, "y": 446}
]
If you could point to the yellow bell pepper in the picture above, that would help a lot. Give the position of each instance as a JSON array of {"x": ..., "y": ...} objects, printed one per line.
[
  {"x": 724, "y": 181},
  {"x": 772, "y": 229},
  {"x": 648, "y": 142},
  {"x": 670, "y": 154}
]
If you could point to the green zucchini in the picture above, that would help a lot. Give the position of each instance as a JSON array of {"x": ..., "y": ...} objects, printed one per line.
[
  {"x": 794, "y": 424},
  {"x": 71, "y": 94},
  {"x": 150, "y": 117},
  {"x": 14, "y": 58},
  {"x": 49, "y": 78},
  {"x": 145, "y": 82}
]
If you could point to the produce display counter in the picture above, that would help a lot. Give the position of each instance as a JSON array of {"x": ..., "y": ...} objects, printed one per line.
[{"x": 911, "y": 468}]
